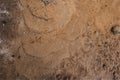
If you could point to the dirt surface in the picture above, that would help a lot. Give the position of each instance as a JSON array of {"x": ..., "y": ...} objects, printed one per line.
[{"x": 59, "y": 40}]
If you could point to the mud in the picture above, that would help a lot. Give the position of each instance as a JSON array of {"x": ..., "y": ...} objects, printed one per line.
[{"x": 59, "y": 40}]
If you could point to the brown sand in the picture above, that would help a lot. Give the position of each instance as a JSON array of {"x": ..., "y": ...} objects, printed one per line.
[{"x": 60, "y": 40}]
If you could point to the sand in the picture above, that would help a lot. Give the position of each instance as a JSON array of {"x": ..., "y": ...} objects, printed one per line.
[{"x": 59, "y": 40}]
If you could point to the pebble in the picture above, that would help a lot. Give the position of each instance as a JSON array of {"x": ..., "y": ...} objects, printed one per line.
[{"x": 115, "y": 29}]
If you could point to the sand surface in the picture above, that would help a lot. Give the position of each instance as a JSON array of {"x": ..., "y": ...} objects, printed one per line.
[{"x": 59, "y": 39}]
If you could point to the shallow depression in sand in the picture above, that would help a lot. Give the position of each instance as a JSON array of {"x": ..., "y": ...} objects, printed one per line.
[{"x": 47, "y": 15}]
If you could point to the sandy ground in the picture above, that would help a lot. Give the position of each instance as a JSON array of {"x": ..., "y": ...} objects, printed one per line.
[{"x": 59, "y": 40}]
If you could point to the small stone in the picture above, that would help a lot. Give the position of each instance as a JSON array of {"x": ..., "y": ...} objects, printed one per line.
[
  {"x": 115, "y": 29},
  {"x": 46, "y": 2}
]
